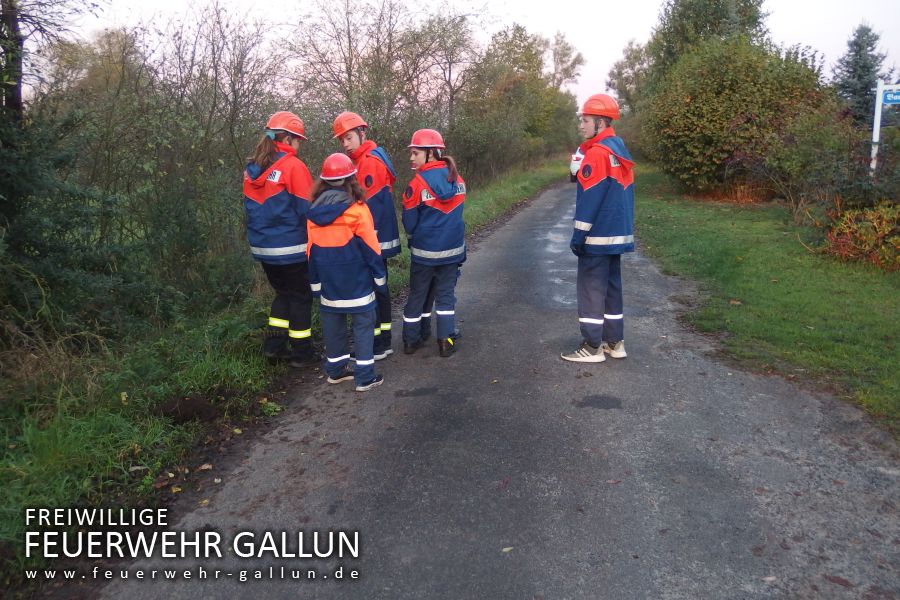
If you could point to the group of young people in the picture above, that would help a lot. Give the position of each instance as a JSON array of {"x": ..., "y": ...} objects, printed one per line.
[{"x": 331, "y": 238}]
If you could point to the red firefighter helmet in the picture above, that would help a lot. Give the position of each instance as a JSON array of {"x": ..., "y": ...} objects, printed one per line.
[
  {"x": 285, "y": 120},
  {"x": 601, "y": 105},
  {"x": 346, "y": 121},
  {"x": 337, "y": 166},
  {"x": 426, "y": 138}
]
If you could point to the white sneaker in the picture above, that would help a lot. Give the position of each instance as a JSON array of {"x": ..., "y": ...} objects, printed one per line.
[
  {"x": 586, "y": 353},
  {"x": 617, "y": 351}
]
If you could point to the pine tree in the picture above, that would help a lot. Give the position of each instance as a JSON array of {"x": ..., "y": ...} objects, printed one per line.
[{"x": 857, "y": 72}]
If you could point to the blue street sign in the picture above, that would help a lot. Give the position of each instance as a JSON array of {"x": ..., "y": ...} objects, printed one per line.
[{"x": 891, "y": 98}]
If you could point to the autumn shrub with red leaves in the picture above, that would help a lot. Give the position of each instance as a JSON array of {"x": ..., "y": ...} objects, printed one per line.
[{"x": 869, "y": 234}]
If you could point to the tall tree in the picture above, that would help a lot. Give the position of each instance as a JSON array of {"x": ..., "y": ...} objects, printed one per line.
[
  {"x": 629, "y": 74},
  {"x": 856, "y": 73},
  {"x": 684, "y": 24},
  {"x": 565, "y": 61}
]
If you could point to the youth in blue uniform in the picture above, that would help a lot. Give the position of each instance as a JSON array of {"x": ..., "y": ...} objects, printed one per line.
[
  {"x": 345, "y": 269},
  {"x": 433, "y": 218},
  {"x": 276, "y": 197},
  {"x": 376, "y": 176},
  {"x": 603, "y": 231}
]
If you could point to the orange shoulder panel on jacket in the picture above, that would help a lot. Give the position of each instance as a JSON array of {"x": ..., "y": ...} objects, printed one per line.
[
  {"x": 413, "y": 193},
  {"x": 594, "y": 167},
  {"x": 360, "y": 219},
  {"x": 372, "y": 175},
  {"x": 300, "y": 182},
  {"x": 333, "y": 235}
]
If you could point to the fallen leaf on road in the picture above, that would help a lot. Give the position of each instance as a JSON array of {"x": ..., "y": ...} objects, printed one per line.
[
  {"x": 508, "y": 549},
  {"x": 204, "y": 467},
  {"x": 204, "y": 502},
  {"x": 175, "y": 489},
  {"x": 769, "y": 579},
  {"x": 237, "y": 431},
  {"x": 613, "y": 481},
  {"x": 217, "y": 480},
  {"x": 837, "y": 580}
]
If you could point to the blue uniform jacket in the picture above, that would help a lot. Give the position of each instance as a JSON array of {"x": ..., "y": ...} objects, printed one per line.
[
  {"x": 275, "y": 202},
  {"x": 604, "y": 201},
  {"x": 345, "y": 265},
  {"x": 433, "y": 216},
  {"x": 376, "y": 175}
]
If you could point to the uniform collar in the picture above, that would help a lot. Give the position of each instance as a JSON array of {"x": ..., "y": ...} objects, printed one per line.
[
  {"x": 606, "y": 133},
  {"x": 435, "y": 164},
  {"x": 363, "y": 149},
  {"x": 287, "y": 149}
]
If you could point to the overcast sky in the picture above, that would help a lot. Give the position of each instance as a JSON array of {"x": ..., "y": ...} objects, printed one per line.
[{"x": 825, "y": 25}]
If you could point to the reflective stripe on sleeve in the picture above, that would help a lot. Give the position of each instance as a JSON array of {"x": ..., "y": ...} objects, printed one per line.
[
  {"x": 349, "y": 303},
  {"x": 441, "y": 254},
  {"x": 609, "y": 241},
  {"x": 392, "y": 244},
  {"x": 278, "y": 251},
  {"x": 283, "y": 323},
  {"x": 583, "y": 226}
]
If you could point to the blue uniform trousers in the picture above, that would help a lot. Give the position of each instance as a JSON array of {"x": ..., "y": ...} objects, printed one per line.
[
  {"x": 600, "y": 311},
  {"x": 337, "y": 351},
  {"x": 383, "y": 309},
  {"x": 422, "y": 278}
]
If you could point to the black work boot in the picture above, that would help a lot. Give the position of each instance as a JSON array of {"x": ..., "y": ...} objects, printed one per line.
[
  {"x": 302, "y": 354},
  {"x": 275, "y": 344},
  {"x": 446, "y": 347}
]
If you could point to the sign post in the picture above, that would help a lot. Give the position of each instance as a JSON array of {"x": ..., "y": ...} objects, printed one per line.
[{"x": 884, "y": 94}]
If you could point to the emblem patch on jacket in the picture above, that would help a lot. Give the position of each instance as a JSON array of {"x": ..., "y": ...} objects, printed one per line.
[
  {"x": 274, "y": 176},
  {"x": 613, "y": 161}
]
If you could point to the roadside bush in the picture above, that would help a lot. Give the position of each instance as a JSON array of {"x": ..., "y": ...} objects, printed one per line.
[
  {"x": 869, "y": 234},
  {"x": 719, "y": 106}
]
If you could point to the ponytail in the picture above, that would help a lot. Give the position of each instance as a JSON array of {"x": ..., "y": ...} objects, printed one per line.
[
  {"x": 264, "y": 154},
  {"x": 438, "y": 154}
]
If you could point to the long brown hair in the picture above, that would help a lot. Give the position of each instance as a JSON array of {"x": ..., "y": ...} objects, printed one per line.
[
  {"x": 437, "y": 153},
  {"x": 264, "y": 154},
  {"x": 349, "y": 185}
]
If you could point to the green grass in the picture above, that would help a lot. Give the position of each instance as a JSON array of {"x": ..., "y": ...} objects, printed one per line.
[
  {"x": 784, "y": 308},
  {"x": 72, "y": 427}
]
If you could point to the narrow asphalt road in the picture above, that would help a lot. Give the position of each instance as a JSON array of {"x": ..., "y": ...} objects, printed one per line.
[{"x": 505, "y": 472}]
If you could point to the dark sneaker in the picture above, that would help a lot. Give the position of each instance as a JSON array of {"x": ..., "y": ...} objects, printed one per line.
[
  {"x": 411, "y": 348},
  {"x": 446, "y": 347},
  {"x": 586, "y": 353},
  {"x": 306, "y": 359},
  {"x": 375, "y": 382},
  {"x": 344, "y": 375}
]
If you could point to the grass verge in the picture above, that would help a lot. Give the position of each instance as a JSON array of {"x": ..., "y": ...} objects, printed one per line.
[
  {"x": 783, "y": 307},
  {"x": 97, "y": 429}
]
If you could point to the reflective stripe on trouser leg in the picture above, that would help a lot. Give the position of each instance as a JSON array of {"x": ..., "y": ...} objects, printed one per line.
[
  {"x": 419, "y": 283},
  {"x": 383, "y": 308},
  {"x": 613, "y": 310},
  {"x": 337, "y": 348},
  {"x": 444, "y": 299},
  {"x": 363, "y": 343},
  {"x": 593, "y": 280}
]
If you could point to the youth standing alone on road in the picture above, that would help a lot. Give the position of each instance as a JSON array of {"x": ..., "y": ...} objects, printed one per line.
[
  {"x": 604, "y": 230},
  {"x": 433, "y": 219}
]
